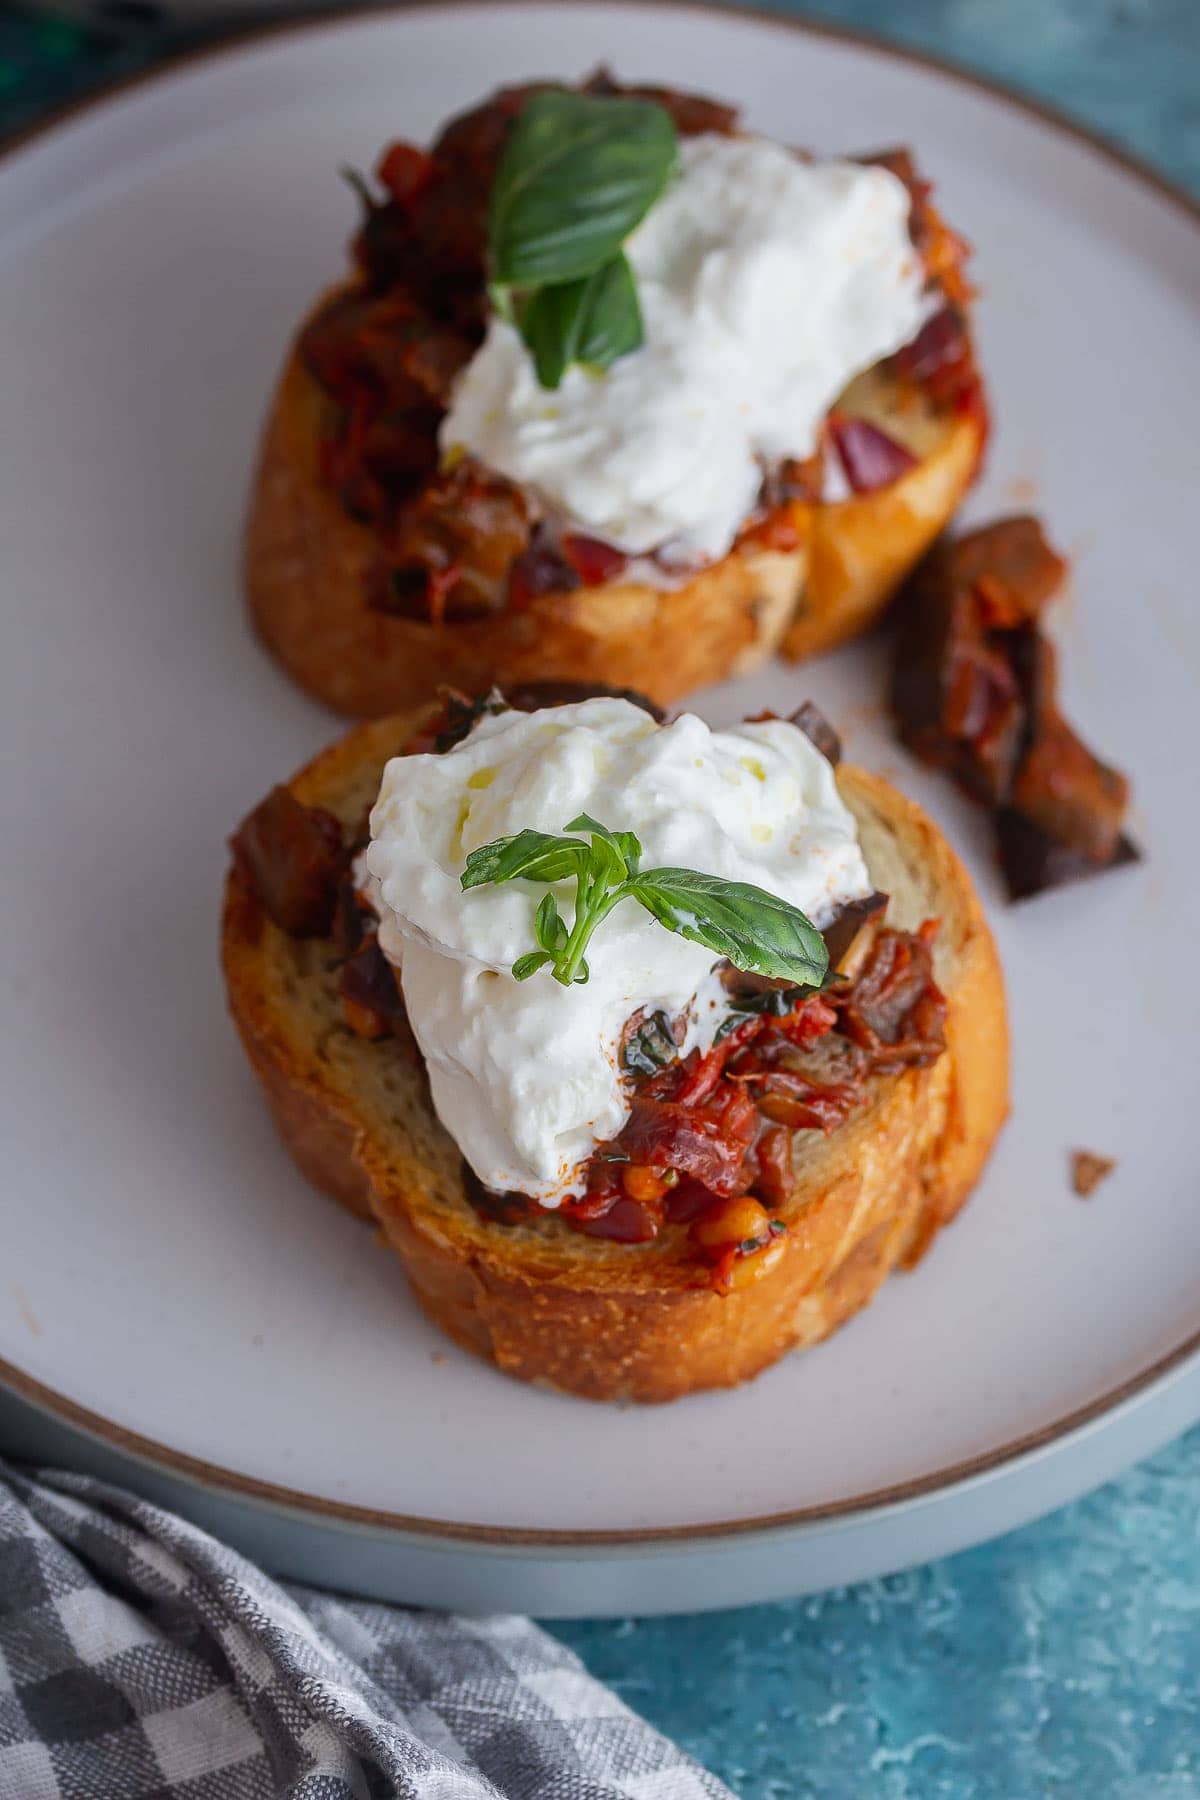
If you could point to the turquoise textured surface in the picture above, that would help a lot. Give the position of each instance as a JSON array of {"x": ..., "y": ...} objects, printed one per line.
[{"x": 1064, "y": 1660}]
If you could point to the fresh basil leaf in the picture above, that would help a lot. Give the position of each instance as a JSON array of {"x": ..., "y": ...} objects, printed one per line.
[
  {"x": 530, "y": 854},
  {"x": 610, "y": 324},
  {"x": 577, "y": 174},
  {"x": 592, "y": 321},
  {"x": 754, "y": 929},
  {"x": 547, "y": 326},
  {"x": 630, "y": 848},
  {"x": 585, "y": 822},
  {"x": 625, "y": 842},
  {"x": 615, "y": 853},
  {"x": 548, "y": 927},
  {"x": 528, "y": 965}
]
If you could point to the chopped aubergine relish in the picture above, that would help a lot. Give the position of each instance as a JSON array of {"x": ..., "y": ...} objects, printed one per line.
[
  {"x": 975, "y": 691},
  {"x": 708, "y": 1141},
  {"x": 455, "y": 541}
]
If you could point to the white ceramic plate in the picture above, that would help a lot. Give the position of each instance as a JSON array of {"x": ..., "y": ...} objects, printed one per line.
[{"x": 167, "y": 1280}]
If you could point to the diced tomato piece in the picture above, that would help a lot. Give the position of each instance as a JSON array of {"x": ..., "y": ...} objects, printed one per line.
[{"x": 698, "y": 1075}]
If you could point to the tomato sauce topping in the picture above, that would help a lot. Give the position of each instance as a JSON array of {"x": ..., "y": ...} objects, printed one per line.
[
  {"x": 708, "y": 1142},
  {"x": 460, "y": 542}
]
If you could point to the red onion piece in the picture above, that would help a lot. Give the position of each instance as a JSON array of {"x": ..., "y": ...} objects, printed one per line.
[{"x": 870, "y": 458}]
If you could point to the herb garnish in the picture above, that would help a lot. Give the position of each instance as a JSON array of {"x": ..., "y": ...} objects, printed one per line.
[
  {"x": 579, "y": 172},
  {"x": 776, "y": 1003},
  {"x": 755, "y": 930},
  {"x": 650, "y": 1046}
]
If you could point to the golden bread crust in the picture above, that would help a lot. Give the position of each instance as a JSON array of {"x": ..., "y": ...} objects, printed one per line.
[{"x": 604, "y": 1320}]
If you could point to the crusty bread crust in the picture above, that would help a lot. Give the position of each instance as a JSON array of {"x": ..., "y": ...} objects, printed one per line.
[
  {"x": 860, "y": 550},
  {"x": 306, "y": 559},
  {"x": 604, "y": 1320}
]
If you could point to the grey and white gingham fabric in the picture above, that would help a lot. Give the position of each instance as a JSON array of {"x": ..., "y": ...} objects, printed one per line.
[{"x": 142, "y": 1660}]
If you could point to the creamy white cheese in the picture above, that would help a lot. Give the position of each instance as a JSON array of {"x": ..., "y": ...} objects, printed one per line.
[
  {"x": 525, "y": 1075},
  {"x": 766, "y": 284}
]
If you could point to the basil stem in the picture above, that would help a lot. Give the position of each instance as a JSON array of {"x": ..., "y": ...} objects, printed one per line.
[{"x": 753, "y": 929}]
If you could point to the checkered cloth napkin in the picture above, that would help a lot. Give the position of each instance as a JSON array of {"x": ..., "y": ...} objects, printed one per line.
[{"x": 142, "y": 1660}]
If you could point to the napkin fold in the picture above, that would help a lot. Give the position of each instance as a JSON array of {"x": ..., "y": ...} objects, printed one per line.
[{"x": 140, "y": 1659}]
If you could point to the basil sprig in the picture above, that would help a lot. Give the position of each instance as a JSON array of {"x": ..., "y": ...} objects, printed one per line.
[
  {"x": 755, "y": 930},
  {"x": 578, "y": 174}
]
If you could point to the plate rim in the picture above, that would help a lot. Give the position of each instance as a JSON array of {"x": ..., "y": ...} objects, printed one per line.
[
  {"x": 940, "y": 1482},
  {"x": 253, "y": 34}
]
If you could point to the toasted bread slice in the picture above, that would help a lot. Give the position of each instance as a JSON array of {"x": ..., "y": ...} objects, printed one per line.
[
  {"x": 599, "y": 1319},
  {"x": 307, "y": 561}
]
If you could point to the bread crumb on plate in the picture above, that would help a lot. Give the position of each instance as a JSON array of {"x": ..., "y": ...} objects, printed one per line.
[{"x": 1088, "y": 1170}]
